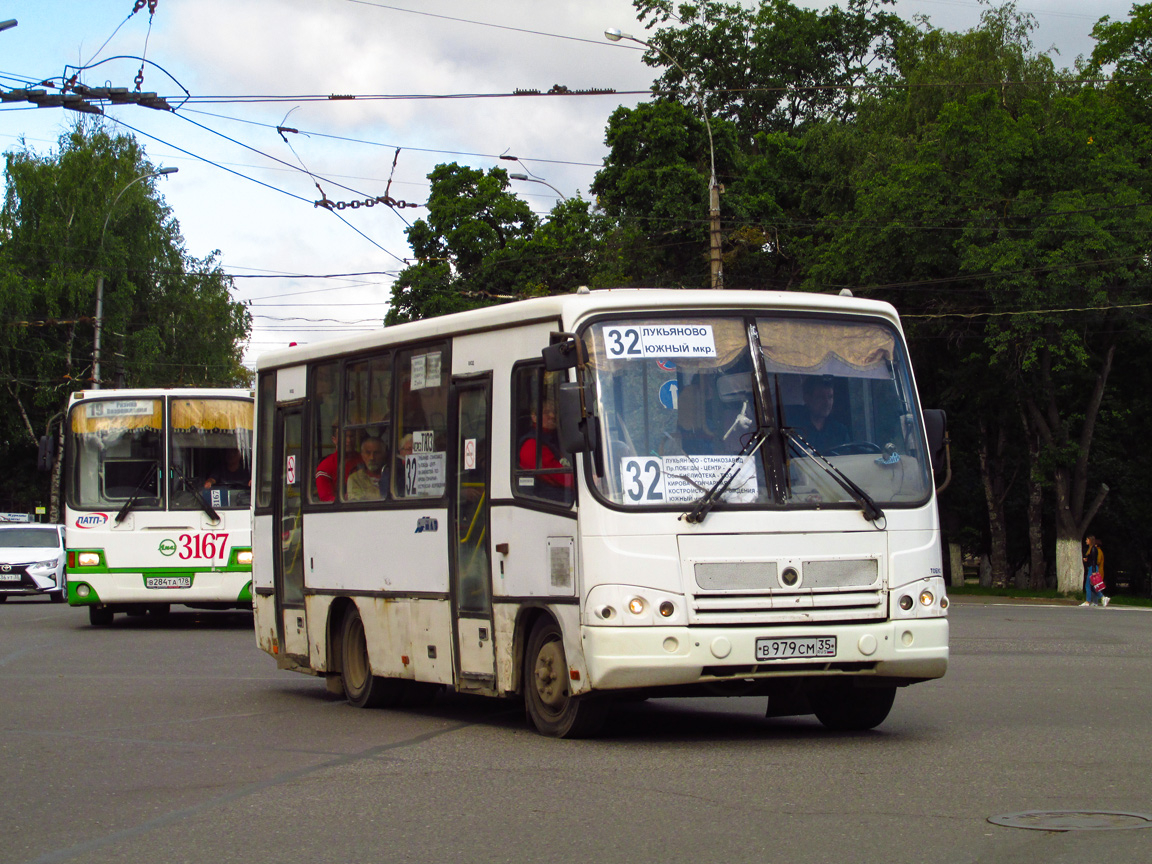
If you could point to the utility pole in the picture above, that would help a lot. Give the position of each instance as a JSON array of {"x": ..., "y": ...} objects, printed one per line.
[{"x": 716, "y": 259}]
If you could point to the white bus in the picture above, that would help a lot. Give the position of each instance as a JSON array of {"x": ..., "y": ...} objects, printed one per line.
[
  {"x": 612, "y": 493},
  {"x": 157, "y": 494}
]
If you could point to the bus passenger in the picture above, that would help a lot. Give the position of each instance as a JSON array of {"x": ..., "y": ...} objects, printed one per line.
[
  {"x": 541, "y": 449},
  {"x": 326, "y": 470},
  {"x": 364, "y": 483}
]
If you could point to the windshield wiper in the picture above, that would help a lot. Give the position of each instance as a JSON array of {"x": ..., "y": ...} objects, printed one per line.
[
  {"x": 872, "y": 511},
  {"x": 709, "y": 499},
  {"x": 144, "y": 481},
  {"x": 198, "y": 494}
]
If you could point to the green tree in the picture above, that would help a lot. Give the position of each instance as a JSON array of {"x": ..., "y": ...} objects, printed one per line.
[
  {"x": 71, "y": 219},
  {"x": 1021, "y": 205},
  {"x": 482, "y": 245}
]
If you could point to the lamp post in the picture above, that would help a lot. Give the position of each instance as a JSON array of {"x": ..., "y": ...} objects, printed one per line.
[
  {"x": 100, "y": 277},
  {"x": 612, "y": 34},
  {"x": 525, "y": 178}
]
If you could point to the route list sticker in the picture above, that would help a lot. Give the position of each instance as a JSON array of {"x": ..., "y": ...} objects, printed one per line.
[
  {"x": 638, "y": 341},
  {"x": 683, "y": 479}
]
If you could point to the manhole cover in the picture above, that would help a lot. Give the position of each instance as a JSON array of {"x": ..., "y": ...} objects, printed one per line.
[{"x": 1073, "y": 820}]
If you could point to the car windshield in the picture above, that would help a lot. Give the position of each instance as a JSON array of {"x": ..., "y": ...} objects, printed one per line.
[
  {"x": 679, "y": 400},
  {"x": 29, "y": 538}
]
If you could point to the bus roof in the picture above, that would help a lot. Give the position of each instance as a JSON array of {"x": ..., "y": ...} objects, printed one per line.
[{"x": 570, "y": 309}]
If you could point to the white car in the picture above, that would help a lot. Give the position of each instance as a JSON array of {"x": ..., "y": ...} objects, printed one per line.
[{"x": 32, "y": 561}]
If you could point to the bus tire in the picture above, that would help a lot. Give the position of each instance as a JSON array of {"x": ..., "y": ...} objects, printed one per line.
[
  {"x": 100, "y": 616},
  {"x": 550, "y": 707},
  {"x": 361, "y": 687},
  {"x": 852, "y": 709}
]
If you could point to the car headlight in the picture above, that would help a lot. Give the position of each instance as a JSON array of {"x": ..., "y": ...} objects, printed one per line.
[{"x": 44, "y": 565}]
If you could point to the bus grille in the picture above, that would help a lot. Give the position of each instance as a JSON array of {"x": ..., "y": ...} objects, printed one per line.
[{"x": 754, "y": 592}]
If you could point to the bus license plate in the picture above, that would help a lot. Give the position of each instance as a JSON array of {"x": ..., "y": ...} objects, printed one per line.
[
  {"x": 168, "y": 582},
  {"x": 796, "y": 649}
]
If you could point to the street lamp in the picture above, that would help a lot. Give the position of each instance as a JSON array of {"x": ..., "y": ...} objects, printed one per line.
[
  {"x": 525, "y": 178},
  {"x": 612, "y": 34},
  {"x": 8, "y": 25},
  {"x": 100, "y": 277}
]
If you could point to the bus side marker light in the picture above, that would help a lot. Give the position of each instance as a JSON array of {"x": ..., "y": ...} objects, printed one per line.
[
  {"x": 636, "y": 606},
  {"x": 905, "y": 602},
  {"x": 943, "y": 602},
  {"x": 404, "y": 659},
  {"x": 574, "y": 674}
]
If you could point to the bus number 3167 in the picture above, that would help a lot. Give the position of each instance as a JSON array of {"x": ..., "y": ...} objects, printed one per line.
[{"x": 203, "y": 546}]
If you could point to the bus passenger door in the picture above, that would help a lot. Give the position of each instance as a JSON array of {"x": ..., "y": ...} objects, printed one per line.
[
  {"x": 470, "y": 537},
  {"x": 289, "y": 528}
]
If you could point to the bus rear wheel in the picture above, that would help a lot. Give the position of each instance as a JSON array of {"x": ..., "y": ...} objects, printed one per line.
[
  {"x": 361, "y": 687},
  {"x": 547, "y": 699},
  {"x": 852, "y": 709}
]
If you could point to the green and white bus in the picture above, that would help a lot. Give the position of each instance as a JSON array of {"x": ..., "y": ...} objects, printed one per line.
[{"x": 157, "y": 489}]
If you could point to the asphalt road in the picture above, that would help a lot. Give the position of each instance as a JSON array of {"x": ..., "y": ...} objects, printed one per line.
[{"x": 181, "y": 742}]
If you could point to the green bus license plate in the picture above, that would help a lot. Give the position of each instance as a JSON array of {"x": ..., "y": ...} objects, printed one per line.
[
  {"x": 796, "y": 649},
  {"x": 167, "y": 581}
]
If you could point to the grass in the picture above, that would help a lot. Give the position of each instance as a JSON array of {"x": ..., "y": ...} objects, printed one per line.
[{"x": 1025, "y": 594}]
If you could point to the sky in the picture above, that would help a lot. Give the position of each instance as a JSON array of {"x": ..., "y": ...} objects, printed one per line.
[{"x": 248, "y": 191}]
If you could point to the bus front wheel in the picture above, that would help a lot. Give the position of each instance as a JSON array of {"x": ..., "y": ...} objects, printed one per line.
[
  {"x": 547, "y": 700},
  {"x": 361, "y": 687},
  {"x": 99, "y": 616},
  {"x": 852, "y": 709}
]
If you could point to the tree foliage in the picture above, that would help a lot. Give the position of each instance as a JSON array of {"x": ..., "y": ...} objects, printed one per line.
[{"x": 86, "y": 212}]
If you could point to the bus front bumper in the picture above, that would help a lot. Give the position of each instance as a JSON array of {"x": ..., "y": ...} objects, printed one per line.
[
  {"x": 628, "y": 657},
  {"x": 113, "y": 589}
]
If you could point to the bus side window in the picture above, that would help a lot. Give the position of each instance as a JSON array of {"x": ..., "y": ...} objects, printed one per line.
[
  {"x": 541, "y": 470},
  {"x": 421, "y": 423},
  {"x": 325, "y": 401}
]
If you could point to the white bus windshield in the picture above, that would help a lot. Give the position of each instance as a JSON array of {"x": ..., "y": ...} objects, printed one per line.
[
  {"x": 681, "y": 402},
  {"x": 117, "y": 453}
]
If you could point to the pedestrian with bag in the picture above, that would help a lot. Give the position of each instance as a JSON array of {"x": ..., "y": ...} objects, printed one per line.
[{"x": 1094, "y": 574}]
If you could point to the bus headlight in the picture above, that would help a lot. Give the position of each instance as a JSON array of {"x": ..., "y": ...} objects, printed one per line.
[
  {"x": 636, "y": 606},
  {"x": 244, "y": 557},
  {"x": 905, "y": 602},
  {"x": 88, "y": 559},
  {"x": 926, "y": 598}
]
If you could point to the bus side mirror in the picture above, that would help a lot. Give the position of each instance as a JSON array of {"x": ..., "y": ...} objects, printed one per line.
[
  {"x": 578, "y": 434},
  {"x": 47, "y": 451},
  {"x": 561, "y": 354},
  {"x": 936, "y": 426}
]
